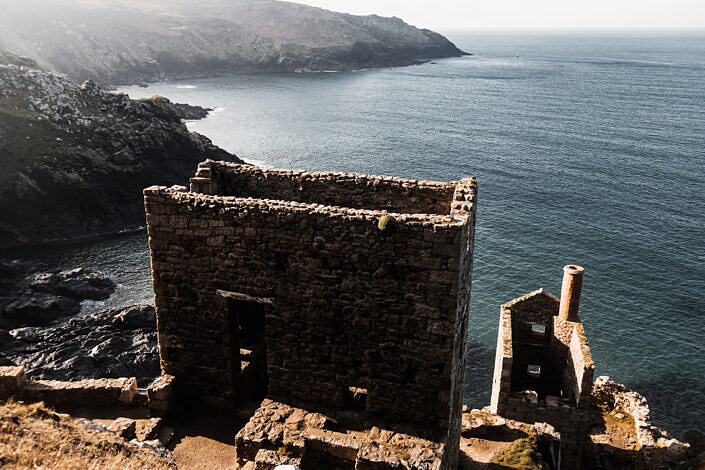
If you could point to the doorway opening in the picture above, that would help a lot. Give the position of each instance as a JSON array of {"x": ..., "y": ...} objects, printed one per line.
[{"x": 246, "y": 317}]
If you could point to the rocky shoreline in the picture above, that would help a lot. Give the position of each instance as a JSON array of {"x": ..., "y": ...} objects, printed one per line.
[
  {"x": 76, "y": 158},
  {"x": 41, "y": 327},
  {"x": 112, "y": 343}
]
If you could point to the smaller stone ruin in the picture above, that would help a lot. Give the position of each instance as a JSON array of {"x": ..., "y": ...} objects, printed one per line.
[{"x": 543, "y": 367}]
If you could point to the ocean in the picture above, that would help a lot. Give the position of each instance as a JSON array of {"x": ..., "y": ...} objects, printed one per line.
[{"x": 589, "y": 148}]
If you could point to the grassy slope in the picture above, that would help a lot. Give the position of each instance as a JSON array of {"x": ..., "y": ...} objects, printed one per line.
[{"x": 33, "y": 437}]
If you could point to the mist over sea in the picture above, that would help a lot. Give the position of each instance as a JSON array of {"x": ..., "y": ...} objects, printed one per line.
[{"x": 589, "y": 148}]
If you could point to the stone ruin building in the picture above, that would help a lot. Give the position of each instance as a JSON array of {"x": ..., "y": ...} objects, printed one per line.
[
  {"x": 543, "y": 368},
  {"x": 331, "y": 309},
  {"x": 342, "y": 299}
]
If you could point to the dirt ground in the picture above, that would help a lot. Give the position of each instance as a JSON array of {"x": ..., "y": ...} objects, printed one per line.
[
  {"x": 204, "y": 442},
  {"x": 200, "y": 442}
]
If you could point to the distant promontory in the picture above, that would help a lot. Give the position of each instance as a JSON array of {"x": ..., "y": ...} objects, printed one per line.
[{"x": 129, "y": 41}]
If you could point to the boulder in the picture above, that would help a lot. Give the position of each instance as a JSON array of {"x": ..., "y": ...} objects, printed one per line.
[{"x": 696, "y": 439}]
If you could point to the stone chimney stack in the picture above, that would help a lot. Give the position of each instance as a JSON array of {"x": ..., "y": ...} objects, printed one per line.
[{"x": 570, "y": 292}]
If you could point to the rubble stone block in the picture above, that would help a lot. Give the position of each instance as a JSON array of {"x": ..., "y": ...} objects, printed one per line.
[
  {"x": 124, "y": 427},
  {"x": 160, "y": 395},
  {"x": 12, "y": 379},
  {"x": 148, "y": 430},
  {"x": 271, "y": 459},
  {"x": 338, "y": 445}
]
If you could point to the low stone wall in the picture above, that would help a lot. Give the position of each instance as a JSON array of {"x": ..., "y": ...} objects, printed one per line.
[
  {"x": 568, "y": 420},
  {"x": 121, "y": 392}
]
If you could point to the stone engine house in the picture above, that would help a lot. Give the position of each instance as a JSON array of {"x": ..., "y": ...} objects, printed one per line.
[
  {"x": 543, "y": 367},
  {"x": 340, "y": 294}
]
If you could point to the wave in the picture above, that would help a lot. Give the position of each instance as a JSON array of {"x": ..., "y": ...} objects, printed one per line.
[
  {"x": 259, "y": 163},
  {"x": 139, "y": 228},
  {"x": 183, "y": 87}
]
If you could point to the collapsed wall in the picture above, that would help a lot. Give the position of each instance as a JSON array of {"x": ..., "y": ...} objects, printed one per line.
[{"x": 359, "y": 288}]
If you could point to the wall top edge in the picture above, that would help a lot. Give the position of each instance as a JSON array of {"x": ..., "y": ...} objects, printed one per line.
[
  {"x": 327, "y": 174},
  {"x": 181, "y": 195}
]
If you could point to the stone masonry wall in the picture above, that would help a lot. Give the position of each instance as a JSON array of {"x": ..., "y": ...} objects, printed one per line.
[
  {"x": 358, "y": 303},
  {"x": 351, "y": 189},
  {"x": 582, "y": 364},
  {"x": 463, "y": 205}
]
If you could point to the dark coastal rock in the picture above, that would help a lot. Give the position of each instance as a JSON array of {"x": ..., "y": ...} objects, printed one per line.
[
  {"x": 138, "y": 42},
  {"x": 34, "y": 309},
  {"x": 78, "y": 283},
  {"x": 29, "y": 298},
  {"x": 189, "y": 112},
  {"x": 110, "y": 344},
  {"x": 75, "y": 159}
]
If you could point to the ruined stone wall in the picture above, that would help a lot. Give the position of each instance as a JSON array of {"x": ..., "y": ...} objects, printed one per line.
[
  {"x": 564, "y": 354},
  {"x": 463, "y": 205},
  {"x": 120, "y": 392},
  {"x": 582, "y": 364},
  {"x": 568, "y": 420},
  {"x": 504, "y": 359},
  {"x": 352, "y": 190},
  {"x": 357, "y": 304}
]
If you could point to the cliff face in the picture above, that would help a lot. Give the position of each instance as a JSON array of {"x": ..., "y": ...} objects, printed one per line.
[
  {"x": 74, "y": 160},
  {"x": 130, "y": 41}
]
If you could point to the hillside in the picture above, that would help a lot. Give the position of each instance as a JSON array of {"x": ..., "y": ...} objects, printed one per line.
[
  {"x": 74, "y": 159},
  {"x": 131, "y": 41}
]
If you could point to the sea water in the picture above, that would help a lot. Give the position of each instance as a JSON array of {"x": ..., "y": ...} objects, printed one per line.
[{"x": 589, "y": 148}]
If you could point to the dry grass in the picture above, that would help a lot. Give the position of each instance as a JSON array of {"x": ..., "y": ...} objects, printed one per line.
[{"x": 33, "y": 437}]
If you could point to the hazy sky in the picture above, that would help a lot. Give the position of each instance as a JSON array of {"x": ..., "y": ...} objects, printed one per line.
[{"x": 530, "y": 13}]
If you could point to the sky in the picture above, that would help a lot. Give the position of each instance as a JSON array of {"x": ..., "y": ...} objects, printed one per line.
[{"x": 530, "y": 14}]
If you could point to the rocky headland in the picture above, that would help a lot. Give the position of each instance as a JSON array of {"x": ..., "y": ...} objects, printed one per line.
[
  {"x": 74, "y": 159},
  {"x": 132, "y": 42}
]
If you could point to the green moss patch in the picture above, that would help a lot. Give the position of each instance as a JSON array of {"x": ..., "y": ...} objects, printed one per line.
[{"x": 521, "y": 454}]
